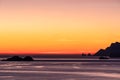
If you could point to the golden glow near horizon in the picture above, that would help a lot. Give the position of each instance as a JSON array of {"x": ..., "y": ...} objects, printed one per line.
[{"x": 58, "y": 26}]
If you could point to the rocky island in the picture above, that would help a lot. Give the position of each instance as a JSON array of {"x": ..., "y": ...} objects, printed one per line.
[{"x": 17, "y": 58}]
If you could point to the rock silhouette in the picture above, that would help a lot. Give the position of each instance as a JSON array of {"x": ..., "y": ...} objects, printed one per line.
[
  {"x": 27, "y": 58},
  {"x": 17, "y": 58},
  {"x": 112, "y": 51},
  {"x": 14, "y": 58}
]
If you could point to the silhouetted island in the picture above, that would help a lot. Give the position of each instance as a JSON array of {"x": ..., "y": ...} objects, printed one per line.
[
  {"x": 113, "y": 51},
  {"x": 17, "y": 58}
]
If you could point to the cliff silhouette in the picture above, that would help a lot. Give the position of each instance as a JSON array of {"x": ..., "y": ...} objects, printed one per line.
[{"x": 112, "y": 51}]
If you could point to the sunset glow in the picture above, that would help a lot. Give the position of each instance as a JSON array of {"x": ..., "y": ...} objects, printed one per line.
[{"x": 58, "y": 26}]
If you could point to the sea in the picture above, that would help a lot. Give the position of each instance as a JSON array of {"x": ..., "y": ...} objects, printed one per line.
[{"x": 61, "y": 69}]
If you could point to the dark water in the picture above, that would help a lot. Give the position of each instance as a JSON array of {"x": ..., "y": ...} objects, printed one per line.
[{"x": 37, "y": 70}]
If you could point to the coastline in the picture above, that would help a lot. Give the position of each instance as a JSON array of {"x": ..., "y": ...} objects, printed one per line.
[{"x": 71, "y": 60}]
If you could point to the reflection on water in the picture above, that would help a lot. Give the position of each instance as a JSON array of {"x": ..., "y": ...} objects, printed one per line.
[
  {"x": 59, "y": 70},
  {"x": 97, "y": 74}
]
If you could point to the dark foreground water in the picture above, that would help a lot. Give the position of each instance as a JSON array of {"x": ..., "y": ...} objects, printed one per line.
[{"x": 87, "y": 70}]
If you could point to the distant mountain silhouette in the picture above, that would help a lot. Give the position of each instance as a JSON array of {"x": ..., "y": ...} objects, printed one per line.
[{"x": 112, "y": 51}]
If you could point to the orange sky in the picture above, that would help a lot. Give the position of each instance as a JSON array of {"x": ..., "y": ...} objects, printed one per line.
[{"x": 58, "y": 26}]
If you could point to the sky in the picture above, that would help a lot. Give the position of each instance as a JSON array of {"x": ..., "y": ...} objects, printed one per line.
[{"x": 58, "y": 26}]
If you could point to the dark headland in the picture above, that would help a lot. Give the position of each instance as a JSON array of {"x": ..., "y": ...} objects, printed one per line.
[{"x": 112, "y": 51}]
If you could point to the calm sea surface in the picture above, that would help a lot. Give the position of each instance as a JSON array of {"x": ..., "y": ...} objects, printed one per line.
[{"x": 37, "y": 70}]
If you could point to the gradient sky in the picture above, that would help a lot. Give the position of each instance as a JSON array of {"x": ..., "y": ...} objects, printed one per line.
[{"x": 58, "y": 26}]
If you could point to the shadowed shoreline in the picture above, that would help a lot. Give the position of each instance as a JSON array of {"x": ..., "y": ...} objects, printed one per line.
[
  {"x": 29, "y": 58},
  {"x": 70, "y": 61},
  {"x": 78, "y": 60}
]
